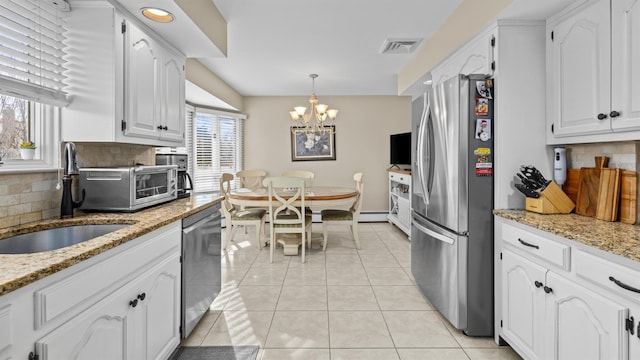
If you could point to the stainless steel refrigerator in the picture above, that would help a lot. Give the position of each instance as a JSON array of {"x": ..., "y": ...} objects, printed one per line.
[{"x": 452, "y": 200}]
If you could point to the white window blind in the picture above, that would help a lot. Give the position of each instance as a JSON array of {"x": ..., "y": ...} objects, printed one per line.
[
  {"x": 32, "y": 51},
  {"x": 215, "y": 146}
]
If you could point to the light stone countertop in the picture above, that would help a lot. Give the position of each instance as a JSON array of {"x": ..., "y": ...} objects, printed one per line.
[
  {"x": 20, "y": 270},
  {"x": 613, "y": 237}
]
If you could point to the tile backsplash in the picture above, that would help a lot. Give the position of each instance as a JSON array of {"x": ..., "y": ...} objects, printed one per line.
[
  {"x": 33, "y": 196},
  {"x": 622, "y": 155}
]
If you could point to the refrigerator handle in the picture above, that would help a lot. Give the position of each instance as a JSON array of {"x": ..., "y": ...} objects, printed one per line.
[
  {"x": 432, "y": 233},
  {"x": 420, "y": 149}
]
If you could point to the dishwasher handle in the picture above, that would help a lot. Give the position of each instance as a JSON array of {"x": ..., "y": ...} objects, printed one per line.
[{"x": 201, "y": 222}]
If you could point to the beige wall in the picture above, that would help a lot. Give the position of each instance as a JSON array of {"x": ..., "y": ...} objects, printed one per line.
[{"x": 363, "y": 127}]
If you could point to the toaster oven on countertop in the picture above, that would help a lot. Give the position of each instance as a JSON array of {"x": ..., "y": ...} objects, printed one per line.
[{"x": 128, "y": 188}]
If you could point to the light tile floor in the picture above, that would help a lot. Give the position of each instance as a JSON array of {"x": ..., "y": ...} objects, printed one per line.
[{"x": 341, "y": 304}]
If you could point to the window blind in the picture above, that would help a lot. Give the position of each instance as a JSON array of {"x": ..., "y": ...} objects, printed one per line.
[
  {"x": 32, "y": 50},
  {"x": 216, "y": 146}
]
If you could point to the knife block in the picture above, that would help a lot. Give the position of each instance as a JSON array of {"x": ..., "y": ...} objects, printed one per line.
[{"x": 552, "y": 200}]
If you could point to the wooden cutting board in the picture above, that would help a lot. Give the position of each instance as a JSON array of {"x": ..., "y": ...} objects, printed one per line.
[
  {"x": 628, "y": 197},
  {"x": 608, "y": 194},
  {"x": 588, "y": 189},
  {"x": 570, "y": 186}
]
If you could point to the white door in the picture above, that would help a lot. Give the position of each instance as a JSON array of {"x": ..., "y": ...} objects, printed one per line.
[
  {"x": 159, "y": 324},
  {"x": 142, "y": 111},
  {"x": 523, "y": 304},
  {"x": 582, "y": 324},
  {"x": 172, "y": 98},
  {"x": 634, "y": 334},
  {"x": 101, "y": 333},
  {"x": 579, "y": 89},
  {"x": 625, "y": 69}
]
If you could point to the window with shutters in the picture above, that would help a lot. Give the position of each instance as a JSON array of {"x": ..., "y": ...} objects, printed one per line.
[{"x": 215, "y": 146}]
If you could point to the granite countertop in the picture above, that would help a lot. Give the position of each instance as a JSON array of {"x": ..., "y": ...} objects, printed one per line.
[
  {"x": 20, "y": 270},
  {"x": 613, "y": 237}
]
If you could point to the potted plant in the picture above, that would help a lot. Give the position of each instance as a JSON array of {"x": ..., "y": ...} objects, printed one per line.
[{"x": 27, "y": 150}]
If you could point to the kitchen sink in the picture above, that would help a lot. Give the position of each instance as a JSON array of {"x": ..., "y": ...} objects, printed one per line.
[{"x": 57, "y": 238}]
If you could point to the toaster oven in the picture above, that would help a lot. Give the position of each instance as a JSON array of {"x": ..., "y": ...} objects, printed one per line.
[{"x": 128, "y": 188}]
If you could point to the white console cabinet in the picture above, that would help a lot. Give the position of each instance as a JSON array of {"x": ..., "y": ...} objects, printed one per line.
[
  {"x": 555, "y": 299},
  {"x": 121, "y": 304},
  {"x": 126, "y": 86},
  {"x": 400, "y": 200}
]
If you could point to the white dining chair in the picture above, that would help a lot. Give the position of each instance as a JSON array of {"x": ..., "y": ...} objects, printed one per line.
[
  {"x": 285, "y": 217},
  {"x": 304, "y": 174},
  {"x": 251, "y": 179},
  {"x": 239, "y": 217},
  {"x": 344, "y": 217}
]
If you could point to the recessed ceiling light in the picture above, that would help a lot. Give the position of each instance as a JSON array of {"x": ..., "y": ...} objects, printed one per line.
[{"x": 157, "y": 15}]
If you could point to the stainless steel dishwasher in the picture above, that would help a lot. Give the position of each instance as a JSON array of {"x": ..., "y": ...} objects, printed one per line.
[{"x": 201, "y": 280}]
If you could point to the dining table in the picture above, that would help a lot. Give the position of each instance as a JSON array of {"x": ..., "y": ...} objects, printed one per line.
[{"x": 316, "y": 197}]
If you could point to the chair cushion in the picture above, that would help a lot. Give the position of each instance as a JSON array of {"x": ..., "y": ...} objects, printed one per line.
[
  {"x": 248, "y": 214},
  {"x": 307, "y": 219},
  {"x": 336, "y": 215}
]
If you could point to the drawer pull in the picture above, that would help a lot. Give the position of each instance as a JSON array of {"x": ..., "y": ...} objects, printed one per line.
[
  {"x": 538, "y": 284},
  {"x": 133, "y": 303},
  {"x": 623, "y": 285},
  {"x": 548, "y": 290},
  {"x": 528, "y": 244}
]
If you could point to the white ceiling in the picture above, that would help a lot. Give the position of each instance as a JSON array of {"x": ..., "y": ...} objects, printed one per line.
[{"x": 274, "y": 45}]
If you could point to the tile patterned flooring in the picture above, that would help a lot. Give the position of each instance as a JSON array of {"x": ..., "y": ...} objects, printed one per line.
[{"x": 341, "y": 304}]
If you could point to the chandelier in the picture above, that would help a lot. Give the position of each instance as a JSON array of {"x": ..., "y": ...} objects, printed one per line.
[{"x": 314, "y": 120}]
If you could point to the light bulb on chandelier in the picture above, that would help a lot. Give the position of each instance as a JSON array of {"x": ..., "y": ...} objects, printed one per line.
[{"x": 314, "y": 120}]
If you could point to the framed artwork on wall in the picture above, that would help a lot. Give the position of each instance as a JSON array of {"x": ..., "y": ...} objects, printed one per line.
[{"x": 313, "y": 146}]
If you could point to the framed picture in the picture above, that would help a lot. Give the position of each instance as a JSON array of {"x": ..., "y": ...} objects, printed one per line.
[{"x": 309, "y": 146}]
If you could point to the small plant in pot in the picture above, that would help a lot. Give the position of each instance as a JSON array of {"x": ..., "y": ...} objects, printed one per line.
[{"x": 27, "y": 150}]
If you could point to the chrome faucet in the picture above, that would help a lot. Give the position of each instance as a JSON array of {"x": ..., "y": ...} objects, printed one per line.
[{"x": 70, "y": 168}]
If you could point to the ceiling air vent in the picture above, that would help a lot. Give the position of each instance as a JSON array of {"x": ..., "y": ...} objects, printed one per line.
[{"x": 399, "y": 46}]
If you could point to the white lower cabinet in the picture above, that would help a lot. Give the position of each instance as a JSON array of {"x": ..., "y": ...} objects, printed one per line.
[
  {"x": 561, "y": 310},
  {"x": 121, "y": 304},
  {"x": 523, "y": 304},
  {"x": 139, "y": 321},
  {"x": 582, "y": 324}
]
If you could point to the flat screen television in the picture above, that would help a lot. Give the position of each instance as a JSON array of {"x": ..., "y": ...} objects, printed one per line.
[{"x": 400, "y": 145}]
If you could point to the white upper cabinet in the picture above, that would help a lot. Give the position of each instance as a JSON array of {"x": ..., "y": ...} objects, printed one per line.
[
  {"x": 625, "y": 60},
  {"x": 474, "y": 57},
  {"x": 591, "y": 64},
  {"x": 154, "y": 88},
  {"x": 125, "y": 85}
]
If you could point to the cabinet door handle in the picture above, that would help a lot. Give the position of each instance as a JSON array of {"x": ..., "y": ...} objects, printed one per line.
[
  {"x": 548, "y": 290},
  {"x": 142, "y": 296},
  {"x": 623, "y": 285},
  {"x": 614, "y": 114},
  {"x": 159, "y": 127},
  {"x": 602, "y": 116},
  {"x": 165, "y": 128},
  {"x": 528, "y": 244},
  {"x": 133, "y": 303},
  {"x": 629, "y": 325},
  {"x": 538, "y": 284}
]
